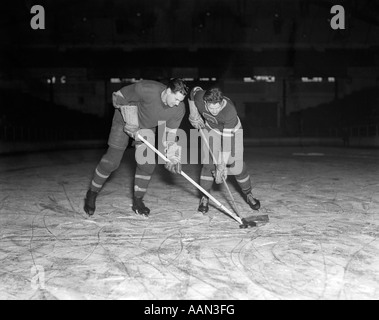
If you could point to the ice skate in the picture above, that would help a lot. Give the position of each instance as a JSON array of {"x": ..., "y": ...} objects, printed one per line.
[
  {"x": 139, "y": 207},
  {"x": 90, "y": 202},
  {"x": 203, "y": 205},
  {"x": 253, "y": 203}
]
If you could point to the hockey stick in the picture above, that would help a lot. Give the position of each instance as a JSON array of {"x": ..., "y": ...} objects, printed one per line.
[
  {"x": 238, "y": 219},
  {"x": 247, "y": 220},
  {"x": 223, "y": 178}
]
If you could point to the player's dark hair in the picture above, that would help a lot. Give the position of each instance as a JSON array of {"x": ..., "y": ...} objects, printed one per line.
[
  {"x": 213, "y": 95},
  {"x": 178, "y": 85}
]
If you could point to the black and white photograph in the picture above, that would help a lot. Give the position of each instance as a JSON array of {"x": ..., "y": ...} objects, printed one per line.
[{"x": 189, "y": 155}]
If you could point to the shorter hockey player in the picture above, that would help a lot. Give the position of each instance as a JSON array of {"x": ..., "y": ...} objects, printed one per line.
[{"x": 216, "y": 115}]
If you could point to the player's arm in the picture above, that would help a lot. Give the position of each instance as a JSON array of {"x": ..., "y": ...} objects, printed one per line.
[
  {"x": 126, "y": 95},
  {"x": 195, "y": 118},
  {"x": 173, "y": 150},
  {"x": 126, "y": 101},
  {"x": 230, "y": 125}
]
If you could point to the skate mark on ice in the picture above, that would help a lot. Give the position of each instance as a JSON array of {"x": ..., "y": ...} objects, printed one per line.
[
  {"x": 31, "y": 239},
  {"x": 325, "y": 281},
  {"x": 216, "y": 253},
  {"x": 140, "y": 279},
  {"x": 272, "y": 250},
  {"x": 2, "y": 201},
  {"x": 62, "y": 184},
  {"x": 237, "y": 262},
  {"x": 115, "y": 260},
  {"x": 95, "y": 246},
  {"x": 46, "y": 227},
  {"x": 226, "y": 266},
  {"x": 70, "y": 248},
  {"x": 332, "y": 207},
  {"x": 161, "y": 249},
  {"x": 142, "y": 236},
  {"x": 265, "y": 284},
  {"x": 288, "y": 280},
  {"x": 159, "y": 280},
  {"x": 44, "y": 217},
  {"x": 200, "y": 279},
  {"x": 55, "y": 207},
  {"x": 347, "y": 266},
  {"x": 240, "y": 266},
  {"x": 21, "y": 169},
  {"x": 186, "y": 273},
  {"x": 134, "y": 276}
]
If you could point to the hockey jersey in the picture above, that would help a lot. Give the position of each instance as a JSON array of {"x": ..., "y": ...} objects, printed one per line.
[
  {"x": 147, "y": 95},
  {"x": 226, "y": 122}
]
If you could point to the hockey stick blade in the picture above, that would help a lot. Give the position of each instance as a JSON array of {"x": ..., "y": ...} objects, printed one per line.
[
  {"x": 259, "y": 218},
  {"x": 252, "y": 220},
  {"x": 246, "y": 224}
]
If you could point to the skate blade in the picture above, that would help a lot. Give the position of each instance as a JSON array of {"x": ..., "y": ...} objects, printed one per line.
[
  {"x": 144, "y": 215},
  {"x": 89, "y": 212}
]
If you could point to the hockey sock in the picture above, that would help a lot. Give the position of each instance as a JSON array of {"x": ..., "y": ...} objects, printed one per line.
[
  {"x": 142, "y": 178},
  {"x": 108, "y": 163},
  {"x": 206, "y": 178},
  {"x": 243, "y": 180}
]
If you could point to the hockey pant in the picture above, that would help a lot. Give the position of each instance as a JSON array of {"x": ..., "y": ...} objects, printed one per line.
[
  {"x": 241, "y": 175},
  {"x": 117, "y": 143}
]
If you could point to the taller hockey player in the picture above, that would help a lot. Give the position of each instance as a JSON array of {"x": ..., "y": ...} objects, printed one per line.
[
  {"x": 140, "y": 106},
  {"x": 216, "y": 114}
]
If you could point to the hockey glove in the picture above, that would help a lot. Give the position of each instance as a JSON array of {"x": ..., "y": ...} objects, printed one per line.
[
  {"x": 130, "y": 115},
  {"x": 220, "y": 173},
  {"x": 173, "y": 154},
  {"x": 118, "y": 99},
  {"x": 132, "y": 132},
  {"x": 197, "y": 123},
  {"x": 193, "y": 92}
]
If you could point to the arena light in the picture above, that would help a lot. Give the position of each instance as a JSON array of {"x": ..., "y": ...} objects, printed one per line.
[
  {"x": 208, "y": 79},
  {"x": 314, "y": 79},
  {"x": 260, "y": 78},
  {"x": 132, "y": 80},
  {"x": 51, "y": 80},
  {"x": 119, "y": 80}
]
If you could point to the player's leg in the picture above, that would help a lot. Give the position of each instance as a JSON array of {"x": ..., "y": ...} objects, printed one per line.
[
  {"x": 240, "y": 170},
  {"x": 244, "y": 182},
  {"x": 142, "y": 178},
  {"x": 206, "y": 182},
  {"x": 206, "y": 176},
  {"x": 117, "y": 142}
]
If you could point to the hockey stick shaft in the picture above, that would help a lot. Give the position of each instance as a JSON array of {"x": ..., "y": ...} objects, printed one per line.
[
  {"x": 238, "y": 219},
  {"x": 223, "y": 178}
]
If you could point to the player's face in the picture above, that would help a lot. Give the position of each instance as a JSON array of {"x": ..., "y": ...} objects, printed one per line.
[
  {"x": 213, "y": 108},
  {"x": 173, "y": 99}
]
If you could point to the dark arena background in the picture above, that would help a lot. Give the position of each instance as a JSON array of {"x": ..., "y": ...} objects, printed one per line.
[{"x": 304, "y": 78}]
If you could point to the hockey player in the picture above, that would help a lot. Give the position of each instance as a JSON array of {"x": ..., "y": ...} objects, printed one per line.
[
  {"x": 140, "y": 106},
  {"x": 211, "y": 111}
]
